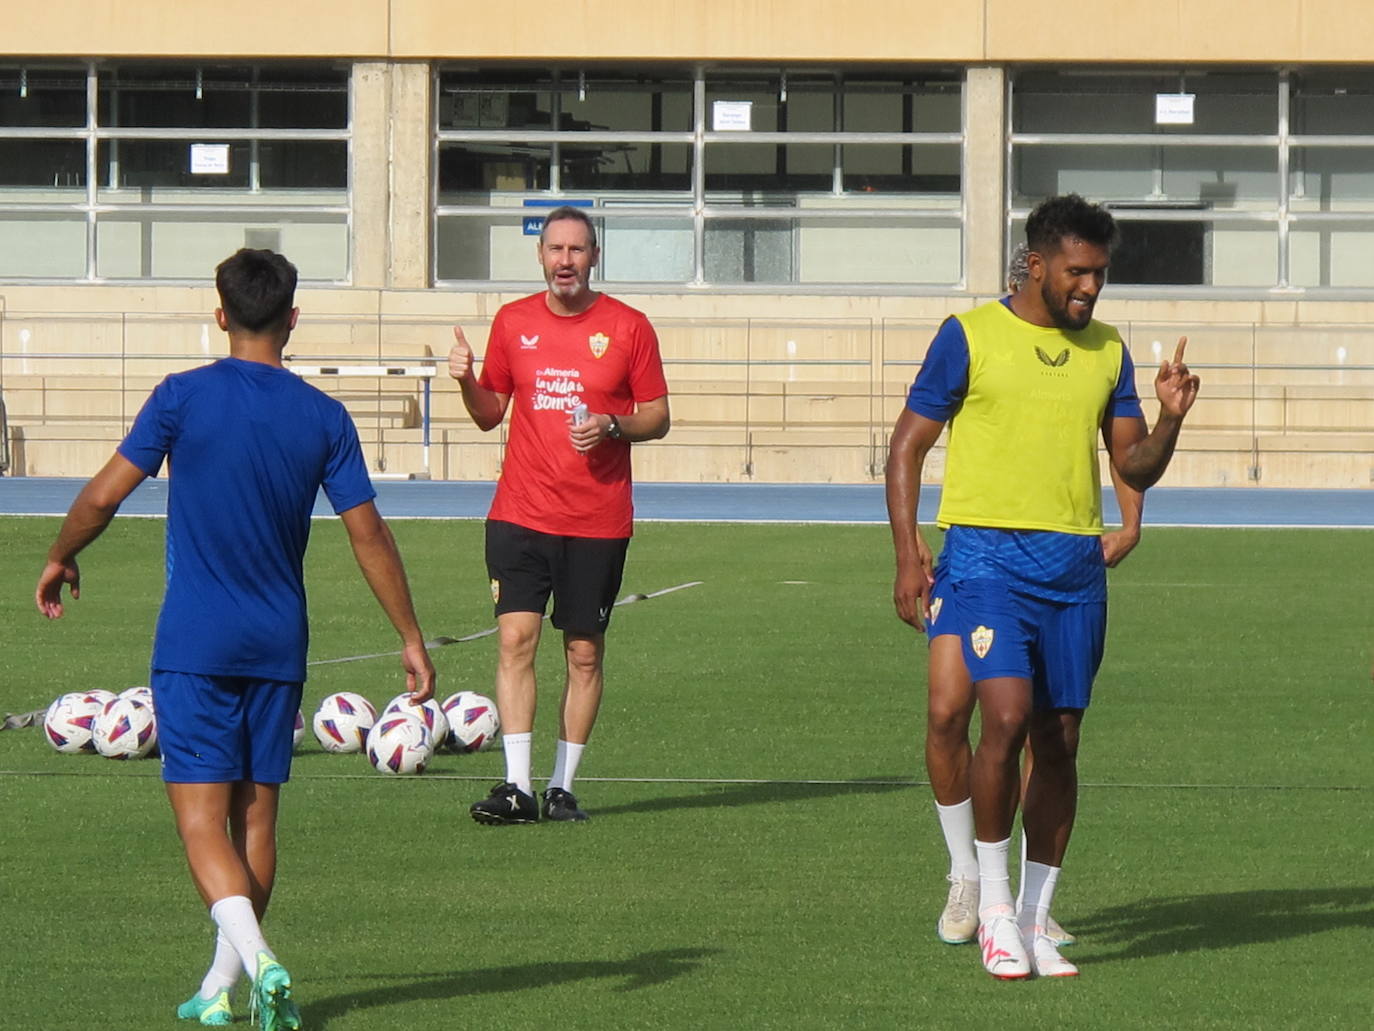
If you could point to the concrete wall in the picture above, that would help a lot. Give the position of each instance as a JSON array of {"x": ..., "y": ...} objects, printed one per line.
[
  {"x": 800, "y": 30},
  {"x": 823, "y": 413},
  {"x": 1288, "y": 397}
]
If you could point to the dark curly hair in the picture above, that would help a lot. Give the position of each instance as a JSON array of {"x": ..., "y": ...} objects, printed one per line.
[{"x": 1070, "y": 215}]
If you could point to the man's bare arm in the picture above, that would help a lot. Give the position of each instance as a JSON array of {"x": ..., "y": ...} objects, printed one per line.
[
  {"x": 912, "y": 438},
  {"x": 380, "y": 560},
  {"x": 86, "y": 520}
]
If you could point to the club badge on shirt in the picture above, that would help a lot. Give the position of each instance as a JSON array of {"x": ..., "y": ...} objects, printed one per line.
[{"x": 598, "y": 342}]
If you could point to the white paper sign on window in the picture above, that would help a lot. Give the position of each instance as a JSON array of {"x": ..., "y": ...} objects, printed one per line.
[
  {"x": 732, "y": 115},
  {"x": 1174, "y": 108},
  {"x": 209, "y": 159}
]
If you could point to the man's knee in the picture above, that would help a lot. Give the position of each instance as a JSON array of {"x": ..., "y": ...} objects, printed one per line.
[
  {"x": 584, "y": 655},
  {"x": 518, "y": 640},
  {"x": 1055, "y": 739},
  {"x": 1004, "y": 729},
  {"x": 948, "y": 718}
]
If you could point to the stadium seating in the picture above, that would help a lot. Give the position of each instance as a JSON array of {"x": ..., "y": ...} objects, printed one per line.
[{"x": 752, "y": 400}]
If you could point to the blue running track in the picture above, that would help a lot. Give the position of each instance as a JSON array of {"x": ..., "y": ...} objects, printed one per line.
[{"x": 771, "y": 503}]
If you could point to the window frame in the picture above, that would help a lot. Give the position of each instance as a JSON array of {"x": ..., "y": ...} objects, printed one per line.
[
  {"x": 95, "y": 206},
  {"x": 1282, "y": 213},
  {"x": 701, "y": 207}
]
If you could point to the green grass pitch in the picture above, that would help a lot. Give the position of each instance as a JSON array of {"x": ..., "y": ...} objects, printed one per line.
[{"x": 761, "y": 853}]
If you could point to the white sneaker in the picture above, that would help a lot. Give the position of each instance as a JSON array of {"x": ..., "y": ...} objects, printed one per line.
[
  {"x": 1004, "y": 950},
  {"x": 1057, "y": 934},
  {"x": 958, "y": 924},
  {"x": 1044, "y": 956}
]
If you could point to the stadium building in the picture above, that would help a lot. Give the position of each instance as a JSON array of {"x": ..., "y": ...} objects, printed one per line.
[{"x": 795, "y": 193}]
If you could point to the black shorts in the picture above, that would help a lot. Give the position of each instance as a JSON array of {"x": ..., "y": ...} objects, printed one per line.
[{"x": 582, "y": 573}]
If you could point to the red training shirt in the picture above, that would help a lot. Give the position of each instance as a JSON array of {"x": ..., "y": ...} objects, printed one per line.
[{"x": 606, "y": 358}]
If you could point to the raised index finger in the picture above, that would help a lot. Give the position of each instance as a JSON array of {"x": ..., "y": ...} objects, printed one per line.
[{"x": 1178, "y": 351}]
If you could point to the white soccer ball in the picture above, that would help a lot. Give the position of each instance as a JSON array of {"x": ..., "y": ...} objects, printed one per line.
[
  {"x": 298, "y": 731},
  {"x": 125, "y": 729},
  {"x": 68, "y": 723},
  {"x": 473, "y": 722},
  {"x": 429, "y": 712},
  {"x": 399, "y": 743},
  {"x": 342, "y": 722},
  {"x": 143, "y": 695}
]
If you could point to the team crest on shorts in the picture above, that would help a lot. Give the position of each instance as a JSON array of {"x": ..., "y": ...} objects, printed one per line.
[
  {"x": 496, "y": 592},
  {"x": 981, "y": 639},
  {"x": 935, "y": 607},
  {"x": 598, "y": 342}
]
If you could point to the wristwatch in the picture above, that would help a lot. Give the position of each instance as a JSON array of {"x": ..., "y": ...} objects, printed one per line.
[{"x": 614, "y": 431}]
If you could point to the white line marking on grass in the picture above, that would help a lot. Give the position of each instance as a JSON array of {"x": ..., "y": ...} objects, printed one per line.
[
  {"x": 1112, "y": 586},
  {"x": 442, "y": 641}
]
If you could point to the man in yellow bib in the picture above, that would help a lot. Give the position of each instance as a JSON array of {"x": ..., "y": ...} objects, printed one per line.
[{"x": 1028, "y": 384}]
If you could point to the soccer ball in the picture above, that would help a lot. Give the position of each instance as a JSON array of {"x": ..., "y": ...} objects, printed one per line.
[
  {"x": 68, "y": 722},
  {"x": 125, "y": 729},
  {"x": 473, "y": 722},
  {"x": 142, "y": 695},
  {"x": 298, "y": 731},
  {"x": 429, "y": 712},
  {"x": 399, "y": 743},
  {"x": 343, "y": 721}
]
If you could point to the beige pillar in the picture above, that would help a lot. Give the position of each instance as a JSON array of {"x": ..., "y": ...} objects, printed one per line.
[
  {"x": 369, "y": 174},
  {"x": 985, "y": 162},
  {"x": 411, "y": 133}
]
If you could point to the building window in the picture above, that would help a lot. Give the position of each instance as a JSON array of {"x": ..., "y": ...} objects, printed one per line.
[
  {"x": 1331, "y": 178},
  {"x": 1220, "y": 178},
  {"x": 736, "y": 177},
  {"x": 158, "y": 170}
]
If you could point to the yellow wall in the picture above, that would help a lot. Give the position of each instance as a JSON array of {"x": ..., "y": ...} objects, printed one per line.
[
  {"x": 175, "y": 28},
  {"x": 792, "y": 30},
  {"x": 720, "y": 29}
]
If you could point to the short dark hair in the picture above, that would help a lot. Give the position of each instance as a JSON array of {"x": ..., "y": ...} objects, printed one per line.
[
  {"x": 257, "y": 290},
  {"x": 1018, "y": 269},
  {"x": 569, "y": 213},
  {"x": 1070, "y": 215}
]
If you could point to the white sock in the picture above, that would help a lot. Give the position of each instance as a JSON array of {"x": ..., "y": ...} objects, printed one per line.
[
  {"x": 236, "y": 921},
  {"x": 225, "y": 969},
  {"x": 1021, "y": 884},
  {"x": 1038, "y": 893},
  {"x": 994, "y": 895},
  {"x": 518, "y": 760},
  {"x": 565, "y": 761},
  {"x": 957, "y": 823}
]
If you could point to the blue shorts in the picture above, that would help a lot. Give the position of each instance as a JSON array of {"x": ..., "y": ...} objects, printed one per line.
[
  {"x": 217, "y": 730},
  {"x": 1055, "y": 645}
]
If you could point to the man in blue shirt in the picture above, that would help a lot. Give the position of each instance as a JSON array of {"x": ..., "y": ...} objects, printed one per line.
[{"x": 248, "y": 445}]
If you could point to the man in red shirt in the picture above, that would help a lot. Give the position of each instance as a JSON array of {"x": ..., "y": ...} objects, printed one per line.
[{"x": 587, "y": 380}]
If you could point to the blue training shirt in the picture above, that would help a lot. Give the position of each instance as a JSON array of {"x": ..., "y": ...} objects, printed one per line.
[
  {"x": 248, "y": 447},
  {"x": 1059, "y": 566}
]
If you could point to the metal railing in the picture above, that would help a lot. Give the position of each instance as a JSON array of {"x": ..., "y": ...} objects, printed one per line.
[{"x": 750, "y": 391}]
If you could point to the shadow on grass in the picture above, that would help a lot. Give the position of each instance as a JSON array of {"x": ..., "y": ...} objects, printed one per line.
[
  {"x": 642, "y": 971},
  {"x": 1190, "y": 923},
  {"x": 713, "y": 795}
]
